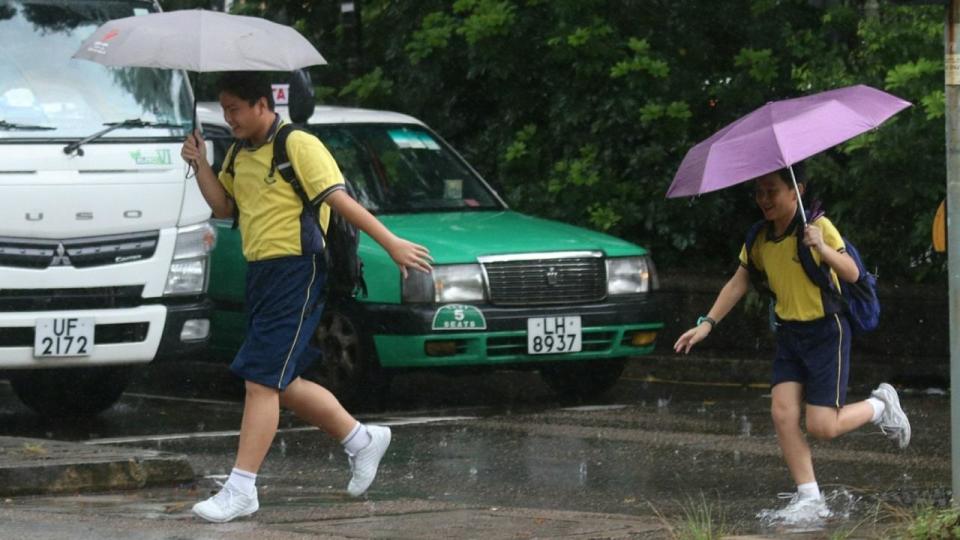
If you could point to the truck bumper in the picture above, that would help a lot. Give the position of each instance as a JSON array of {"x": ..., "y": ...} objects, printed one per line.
[
  {"x": 404, "y": 335},
  {"x": 135, "y": 335}
]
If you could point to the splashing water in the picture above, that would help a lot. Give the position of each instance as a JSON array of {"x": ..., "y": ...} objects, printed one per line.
[{"x": 798, "y": 516}]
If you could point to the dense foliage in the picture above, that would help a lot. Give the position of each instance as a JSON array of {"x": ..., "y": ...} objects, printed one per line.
[{"x": 581, "y": 110}]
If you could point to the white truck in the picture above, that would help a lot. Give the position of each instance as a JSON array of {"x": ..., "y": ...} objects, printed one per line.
[{"x": 104, "y": 240}]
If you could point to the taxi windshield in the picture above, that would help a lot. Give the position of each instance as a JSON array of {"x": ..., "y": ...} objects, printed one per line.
[{"x": 404, "y": 168}]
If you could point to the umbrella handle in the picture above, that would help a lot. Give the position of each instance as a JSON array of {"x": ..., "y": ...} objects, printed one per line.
[{"x": 803, "y": 214}]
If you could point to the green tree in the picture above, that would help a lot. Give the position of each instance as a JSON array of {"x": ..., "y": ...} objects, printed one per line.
[{"x": 581, "y": 110}]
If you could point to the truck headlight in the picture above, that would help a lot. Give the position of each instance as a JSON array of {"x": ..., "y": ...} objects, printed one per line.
[
  {"x": 447, "y": 283},
  {"x": 188, "y": 271},
  {"x": 631, "y": 275}
]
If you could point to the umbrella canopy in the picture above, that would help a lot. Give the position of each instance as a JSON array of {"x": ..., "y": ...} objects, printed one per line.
[
  {"x": 780, "y": 134},
  {"x": 199, "y": 40}
]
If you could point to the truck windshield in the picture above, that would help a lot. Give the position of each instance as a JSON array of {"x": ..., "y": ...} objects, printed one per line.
[
  {"x": 41, "y": 86},
  {"x": 404, "y": 169}
]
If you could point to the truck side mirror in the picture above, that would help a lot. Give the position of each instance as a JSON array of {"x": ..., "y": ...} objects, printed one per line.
[{"x": 301, "y": 104}]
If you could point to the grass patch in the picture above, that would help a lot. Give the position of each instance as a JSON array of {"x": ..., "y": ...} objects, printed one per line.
[
  {"x": 929, "y": 523},
  {"x": 699, "y": 520}
]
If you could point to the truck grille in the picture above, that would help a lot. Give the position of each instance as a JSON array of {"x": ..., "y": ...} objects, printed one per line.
[
  {"x": 14, "y": 300},
  {"x": 77, "y": 252},
  {"x": 547, "y": 278}
]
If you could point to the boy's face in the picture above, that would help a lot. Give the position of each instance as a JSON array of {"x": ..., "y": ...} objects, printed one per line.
[
  {"x": 776, "y": 199},
  {"x": 245, "y": 120}
]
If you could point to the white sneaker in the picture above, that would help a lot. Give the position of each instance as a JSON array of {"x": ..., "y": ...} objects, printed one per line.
[
  {"x": 227, "y": 505},
  {"x": 893, "y": 422},
  {"x": 807, "y": 511},
  {"x": 364, "y": 465}
]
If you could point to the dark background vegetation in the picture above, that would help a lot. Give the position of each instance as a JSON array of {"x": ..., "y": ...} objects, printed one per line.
[{"x": 581, "y": 110}]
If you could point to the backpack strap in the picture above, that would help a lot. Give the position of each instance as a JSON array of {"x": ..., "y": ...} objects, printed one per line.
[
  {"x": 819, "y": 275},
  {"x": 229, "y": 168},
  {"x": 757, "y": 277},
  {"x": 282, "y": 164}
]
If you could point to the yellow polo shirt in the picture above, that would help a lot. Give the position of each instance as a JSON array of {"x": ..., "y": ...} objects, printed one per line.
[
  {"x": 270, "y": 211},
  {"x": 798, "y": 298}
]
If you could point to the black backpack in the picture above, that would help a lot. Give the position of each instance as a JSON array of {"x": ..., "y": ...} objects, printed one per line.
[{"x": 341, "y": 241}]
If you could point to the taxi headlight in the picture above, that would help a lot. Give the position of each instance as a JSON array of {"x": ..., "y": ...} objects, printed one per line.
[
  {"x": 446, "y": 284},
  {"x": 631, "y": 275}
]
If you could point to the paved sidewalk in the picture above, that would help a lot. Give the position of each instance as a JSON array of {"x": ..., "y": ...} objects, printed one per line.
[{"x": 39, "y": 466}]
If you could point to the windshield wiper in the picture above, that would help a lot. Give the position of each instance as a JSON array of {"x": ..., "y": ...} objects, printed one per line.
[
  {"x": 23, "y": 127},
  {"x": 131, "y": 123}
]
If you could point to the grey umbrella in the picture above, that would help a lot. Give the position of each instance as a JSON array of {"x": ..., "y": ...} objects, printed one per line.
[{"x": 199, "y": 40}]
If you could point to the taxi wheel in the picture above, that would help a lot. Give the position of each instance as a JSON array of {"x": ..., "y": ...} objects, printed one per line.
[
  {"x": 70, "y": 392},
  {"x": 346, "y": 368},
  {"x": 579, "y": 380}
]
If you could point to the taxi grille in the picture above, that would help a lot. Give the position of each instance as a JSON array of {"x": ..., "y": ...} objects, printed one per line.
[
  {"x": 77, "y": 252},
  {"x": 545, "y": 280}
]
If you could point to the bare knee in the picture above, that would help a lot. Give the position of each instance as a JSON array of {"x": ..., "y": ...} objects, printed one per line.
[{"x": 785, "y": 415}]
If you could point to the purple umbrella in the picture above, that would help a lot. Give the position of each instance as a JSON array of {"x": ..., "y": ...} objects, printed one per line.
[{"x": 780, "y": 134}]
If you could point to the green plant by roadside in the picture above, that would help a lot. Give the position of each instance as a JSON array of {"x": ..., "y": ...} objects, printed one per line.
[
  {"x": 934, "y": 524},
  {"x": 699, "y": 519}
]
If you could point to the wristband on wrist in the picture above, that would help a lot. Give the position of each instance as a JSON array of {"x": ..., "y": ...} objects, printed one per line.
[{"x": 707, "y": 319}]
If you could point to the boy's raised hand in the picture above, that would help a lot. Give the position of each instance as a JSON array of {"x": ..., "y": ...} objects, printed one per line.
[
  {"x": 194, "y": 150},
  {"x": 813, "y": 237}
]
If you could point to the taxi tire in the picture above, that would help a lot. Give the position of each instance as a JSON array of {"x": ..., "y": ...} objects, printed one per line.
[
  {"x": 346, "y": 368},
  {"x": 583, "y": 379},
  {"x": 68, "y": 393}
]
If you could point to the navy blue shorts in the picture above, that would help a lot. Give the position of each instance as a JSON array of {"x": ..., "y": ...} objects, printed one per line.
[
  {"x": 284, "y": 304},
  {"x": 815, "y": 354}
]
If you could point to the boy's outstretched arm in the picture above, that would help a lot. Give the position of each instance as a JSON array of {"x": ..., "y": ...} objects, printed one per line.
[
  {"x": 730, "y": 294},
  {"x": 405, "y": 254}
]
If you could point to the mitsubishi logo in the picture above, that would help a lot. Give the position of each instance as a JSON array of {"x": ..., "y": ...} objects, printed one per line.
[
  {"x": 553, "y": 277},
  {"x": 60, "y": 257}
]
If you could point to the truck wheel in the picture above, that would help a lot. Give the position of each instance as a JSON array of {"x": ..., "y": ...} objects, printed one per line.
[
  {"x": 346, "y": 368},
  {"x": 583, "y": 379},
  {"x": 70, "y": 392}
]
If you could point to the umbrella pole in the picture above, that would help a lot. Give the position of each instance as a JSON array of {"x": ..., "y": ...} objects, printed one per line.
[{"x": 803, "y": 214}]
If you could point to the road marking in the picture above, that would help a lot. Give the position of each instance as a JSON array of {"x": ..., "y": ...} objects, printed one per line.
[
  {"x": 186, "y": 400},
  {"x": 590, "y": 408},
  {"x": 235, "y": 433},
  {"x": 652, "y": 379}
]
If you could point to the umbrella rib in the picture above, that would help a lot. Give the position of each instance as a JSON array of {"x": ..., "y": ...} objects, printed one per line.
[{"x": 776, "y": 137}]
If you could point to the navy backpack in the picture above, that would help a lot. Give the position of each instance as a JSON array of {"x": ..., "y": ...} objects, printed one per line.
[{"x": 857, "y": 300}]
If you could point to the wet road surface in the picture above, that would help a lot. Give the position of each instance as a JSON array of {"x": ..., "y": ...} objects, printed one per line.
[{"x": 499, "y": 442}]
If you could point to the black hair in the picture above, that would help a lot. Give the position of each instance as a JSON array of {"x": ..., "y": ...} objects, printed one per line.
[
  {"x": 799, "y": 171},
  {"x": 249, "y": 86}
]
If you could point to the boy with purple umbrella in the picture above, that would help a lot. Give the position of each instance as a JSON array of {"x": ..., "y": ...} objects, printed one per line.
[
  {"x": 813, "y": 346},
  {"x": 812, "y": 360}
]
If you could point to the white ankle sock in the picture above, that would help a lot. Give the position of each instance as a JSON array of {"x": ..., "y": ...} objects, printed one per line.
[
  {"x": 878, "y": 408},
  {"x": 356, "y": 440},
  {"x": 810, "y": 490},
  {"x": 244, "y": 481}
]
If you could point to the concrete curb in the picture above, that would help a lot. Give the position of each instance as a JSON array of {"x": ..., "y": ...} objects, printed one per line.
[{"x": 39, "y": 466}]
